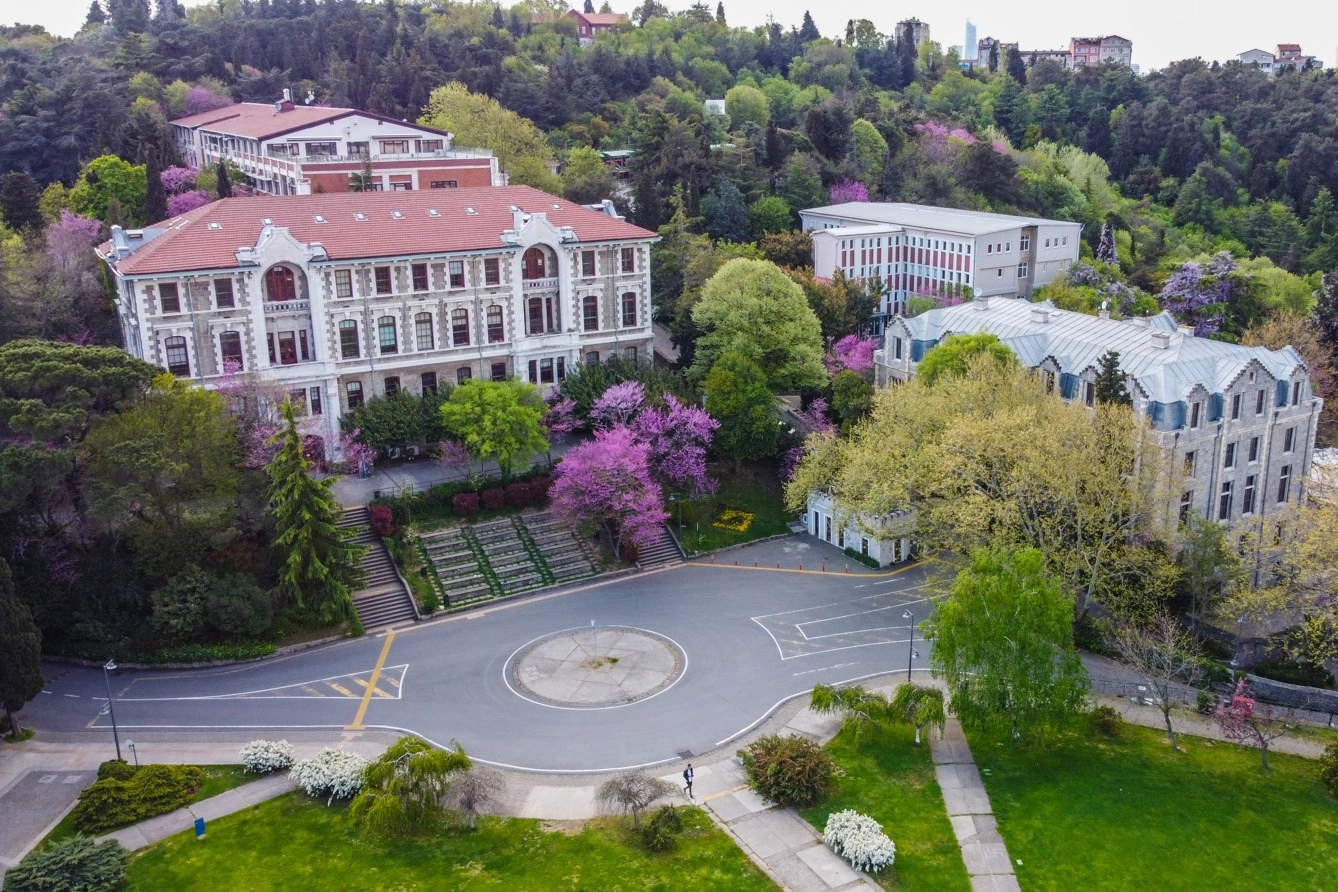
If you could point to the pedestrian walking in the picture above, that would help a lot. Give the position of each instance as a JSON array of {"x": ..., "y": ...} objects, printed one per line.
[{"x": 687, "y": 780}]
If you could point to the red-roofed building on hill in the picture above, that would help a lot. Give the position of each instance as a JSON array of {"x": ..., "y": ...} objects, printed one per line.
[
  {"x": 590, "y": 25},
  {"x": 339, "y": 298},
  {"x": 291, "y": 149}
]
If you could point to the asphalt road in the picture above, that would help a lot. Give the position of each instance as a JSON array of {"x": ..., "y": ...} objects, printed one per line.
[{"x": 752, "y": 639}]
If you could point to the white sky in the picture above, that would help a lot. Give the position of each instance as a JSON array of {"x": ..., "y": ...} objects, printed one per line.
[{"x": 1161, "y": 30}]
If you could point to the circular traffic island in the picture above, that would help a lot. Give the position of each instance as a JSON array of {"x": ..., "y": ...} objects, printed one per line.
[{"x": 595, "y": 668}]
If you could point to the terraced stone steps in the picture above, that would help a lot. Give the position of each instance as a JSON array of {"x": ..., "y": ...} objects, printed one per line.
[{"x": 383, "y": 599}]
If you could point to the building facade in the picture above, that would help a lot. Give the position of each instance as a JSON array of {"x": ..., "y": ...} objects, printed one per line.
[
  {"x": 1110, "y": 48},
  {"x": 919, "y": 250},
  {"x": 884, "y": 539},
  {"x": 290, "y": 149},
  {"x": 338, "y": 298},
  {"x": 1262, "y": 59},
  {"x": 590, "y": 25},
  {"x": 919, "y": 31},
  {"x": 1239, "y": 420},
  {"x": 970, "y": 48}
]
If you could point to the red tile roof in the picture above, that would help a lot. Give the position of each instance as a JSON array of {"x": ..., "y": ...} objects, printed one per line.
[
  {"x": 260, "y": 120},
  {"x": 607, "y": 19},
  {"x": 190, "y": 243}
]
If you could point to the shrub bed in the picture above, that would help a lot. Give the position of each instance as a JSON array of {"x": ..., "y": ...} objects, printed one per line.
[
  {"x": 860, "y": 840},
  {"x": 76, "y": 865},
  {"x": 332, "y": 773},
  {"x": 791, "y": 771},
  {"x": 124, "y": 795},
  {"x": 266, "y": 756}
]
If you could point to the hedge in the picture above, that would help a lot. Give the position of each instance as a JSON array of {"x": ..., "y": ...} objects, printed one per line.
[{"x": 117, "y": 800}]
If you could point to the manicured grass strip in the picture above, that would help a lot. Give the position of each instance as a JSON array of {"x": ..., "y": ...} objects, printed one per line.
[
  {"x": 890, "y": 779},
  {"x": 217, "y": 779},
  {"x": 1128, "y": 813},
  {"x": 756, "y": 490},
  {"x": 295, "y": 843}
]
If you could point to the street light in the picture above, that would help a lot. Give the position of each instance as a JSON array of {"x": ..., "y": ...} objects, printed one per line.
[
  {"x": 111, "y": 667},
  {"x": 130, "y": 745},
  {"x": 912, "y": 655}
]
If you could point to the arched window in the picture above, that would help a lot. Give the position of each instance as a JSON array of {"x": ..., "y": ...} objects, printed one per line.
[
  {"x": 230, "y": 351},
  {"x": 280, "y": 284},
  {"x": 590, "y": 313},
  {"x": 178, "y": 359},
  {"x": 534, "y": 264},
  {"x": 460, "y": 328},
  {"x": 629, "y": 310},
  {"x": 386, "y": 335},
  {"x": 422, "y": 326}
]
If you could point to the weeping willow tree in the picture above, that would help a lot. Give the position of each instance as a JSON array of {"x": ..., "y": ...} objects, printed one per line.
[
  {"x": 861, "y": 709},
  {"x": 321, "y": 565},
  {"x": 404, "y": 792},
  {"x": 920, "y": 706}
]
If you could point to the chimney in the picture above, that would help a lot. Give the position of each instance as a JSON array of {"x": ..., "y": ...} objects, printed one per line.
[
  {"x": 1161, "y": 340},
  {"x": 1187, "y": 330},
  {"x": 287, "y": 95},
  {"x": 1040, "y": 315},
  {"x": 517, "y": 218},
  {"x": 981, "y": 303}
]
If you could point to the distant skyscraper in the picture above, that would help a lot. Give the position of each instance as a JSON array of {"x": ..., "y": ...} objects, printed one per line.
[{"x": 969, "y": 45}]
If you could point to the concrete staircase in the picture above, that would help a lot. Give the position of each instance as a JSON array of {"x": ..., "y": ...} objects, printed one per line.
[
  {"x": 662, "y": 552},
  {"x": 383, "y": 600}
]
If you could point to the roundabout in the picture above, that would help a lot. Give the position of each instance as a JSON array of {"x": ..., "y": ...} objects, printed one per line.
[{"x": 574, "y": 669}]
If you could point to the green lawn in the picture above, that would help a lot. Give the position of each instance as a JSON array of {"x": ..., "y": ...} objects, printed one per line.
[
  {"x": 756, "y": 489},
  {"x": 217, "y": 779},
  {"x": 295, "y": 843},
  {"x": 1128, "y": 813},
  {"x": 890, "y": 779}
]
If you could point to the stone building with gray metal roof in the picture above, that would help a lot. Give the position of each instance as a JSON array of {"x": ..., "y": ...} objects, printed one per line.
[{"x": 1241, "y": 419}]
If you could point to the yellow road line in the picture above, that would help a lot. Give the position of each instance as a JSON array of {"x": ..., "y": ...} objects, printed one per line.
[
  {"x": 805, "y": 572},
  {"x": 371, "y": 686},
  {"x": 310, "y": 690},
  {"x": 340, "y": 688}
]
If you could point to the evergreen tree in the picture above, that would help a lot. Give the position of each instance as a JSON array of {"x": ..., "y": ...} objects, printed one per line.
[
  {"x": 726, "y": 214},
  {"x": 96, "y": 14},
  {"x": 1109, "y": 386},
  {"x": 1105, "y": 247},
  {"x": 1321, "y": 232},
  {"x": 994, "y": 57},
  {"x": 738, "y": 397},
  {"x": 224, "y": 184},
  {"x": 1096, "y": 138},
  {"x": 1015, "y": 66},
  {"x": 20, "y": 201},
  {"x": 589, "y": 7},
  {"x": 20, "y": 652},
  {"x": 1326, "y": 310},
  {"x": 808, "y": 31},
  {"x": 321, "y": 565},
  {"x": 720, "y": 12},
  {"x": 498, "y": 20},
  {"x": 155, "y": 196},
  {"x": 907, "y": 56}
]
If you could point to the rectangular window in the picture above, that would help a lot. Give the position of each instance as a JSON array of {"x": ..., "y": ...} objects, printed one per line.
[
  {"x": 1186, "y": 504},
  {"x": 223, "y": 298},
  {"x": 498, "y": 371},
  {"x": 392, "y": 386},
  {"x": 546, "y": 371},
  {"x": 299, "y": 400},
  {"x": 630, "y": 355},
  {"x": 496, "y": 330},
  {"x": 456, "y": 271},
  {"x": 460, "y": 328},
  {"x": 314, "y": 401},
  {"x": 1025, "y": 243},
  {"x": 492, "y": 271},
  {"x": 1288, "y": 439},
  {"x": 287, "y": 348},
  {"x": 562, "y": 368},
  {"x": 896, "y": 347},
  {"x": 1254, "y": 449},
  {"x": 989, "y": 249},
  {"x": 419, "y": 271},
  {"x": 357, "y": 150},
  {"x": 628, "y": 260},
  {"x": 343, "y": 283},
  {"x": 463, "y": 374},
  {"x": 383, "y": 285},
  {"x": 1284, "y": 483},
  {"x": 1296, "y": 393},
  {"x": 444, "y": 184},
  {"x": 387, "y": 336},
  {"x": 422, "y": 330},
  {"x": 1194, "y": 412},
  {"x": 1224, "y": 502},
  {"x": 169, "y": 298},
  {"x": 303, "y": 348},
  {"x": 354, "y": 392},
  {"x": 348, "y": 339},
  {"x": 1247, "y": 497},
  {"x": 629, "y": 310},
  {"x": 428, "y": 145},
  {"x": 1230, "y": 460},
  {"x": 319, "y": 149},
  {"x": 1235, "y": 407},
  {"x": 401, "y": 187},
  {"x": 273, "y": 356},
  {"x": 1089, "y": 393},
  {"x": 1190, "y": 463},
  {"x": 394, "y": 147},
  {"x": 1259, "y": 402},
  {"x": 535, "y": 309},
  {"x": 1021, "y": 270},
  {"x": 429, "y": 381},
  {"x": 588, "y": 264},
  {"x": 590, "y": 313}
]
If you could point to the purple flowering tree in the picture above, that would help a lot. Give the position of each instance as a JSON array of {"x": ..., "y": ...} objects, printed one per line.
[
  {"x": 607, "y": 482},
  {"x": 848, "y": 191},
  {"x": 851, "y": 352},
  {"x": 202, "y": 99},
  {"x": 178, "y": 179},
  {"x": 618, "y": 405},
  {"x": 454, "y": 456},
  {"x": 561, "y": 417},
  {"x": 677, "y": 438},
  {"x": 69, "y": 240},
  {"x": 1201, "y": 295},
  {"x": 357, "y": 455},
  {"x": 187, "y": 201}
]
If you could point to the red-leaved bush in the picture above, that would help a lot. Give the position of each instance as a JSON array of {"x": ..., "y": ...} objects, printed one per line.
[
  {"x": 494, "y": 498},
  {"x": 382, "y": 520},
  {"x": 465, "y": 504},
  {"x": 519, "y": 495}
]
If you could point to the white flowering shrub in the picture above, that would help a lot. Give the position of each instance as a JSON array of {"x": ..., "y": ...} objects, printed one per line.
[
  {"x": 860, "y": 840},
  {"x": 333, "y": 773},
  {"x": 265, "y": 756}
]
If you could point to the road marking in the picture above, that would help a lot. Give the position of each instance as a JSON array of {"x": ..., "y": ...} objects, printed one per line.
[
  {"x": 341, "y": 689},
  {"x": 371, "y": 686},
  {"x": 807, "y": 572},
  {"x": 823, "y": 669}
]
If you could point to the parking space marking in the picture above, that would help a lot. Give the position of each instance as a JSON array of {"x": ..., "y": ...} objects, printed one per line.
[{"x": 841, "y": 625}]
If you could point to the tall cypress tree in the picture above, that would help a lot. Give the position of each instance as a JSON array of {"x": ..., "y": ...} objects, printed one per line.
[
  {"x": 1109, "y": 386},
  {"x": 321, "y": 565},
  {"x": 155, "y": 196},
  {"x": 224, "y": 184},
  {"x": 20, "y": 652}
]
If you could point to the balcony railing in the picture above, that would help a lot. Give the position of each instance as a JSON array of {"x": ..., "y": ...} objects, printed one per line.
[
  {"x": 287, "y": 306},
  {"x": 392, "y": 156},
  {"x": 539, "y": 284}
]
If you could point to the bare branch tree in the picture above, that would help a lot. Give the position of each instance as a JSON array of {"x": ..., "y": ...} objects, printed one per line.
[
  {"x": 473, "y": 792},
  {"x": 631, "y": 793},
  {"x": 1164, "y": 656}
]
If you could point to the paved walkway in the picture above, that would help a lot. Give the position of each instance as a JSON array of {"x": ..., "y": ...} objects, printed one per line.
[{"x": 968, "y": 805}]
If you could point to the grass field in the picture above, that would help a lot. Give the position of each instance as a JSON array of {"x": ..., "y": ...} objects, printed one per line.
[
  {"x": 295, "y": 843},
  {"x": 756, "y": 490},
  {"x": 1128, "y": 813},
  {"x": 217, "y": 779},
  {"x": 890, "y": 779}
]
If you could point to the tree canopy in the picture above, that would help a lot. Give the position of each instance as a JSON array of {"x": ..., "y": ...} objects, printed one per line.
[{"x": 497, "y": 420}]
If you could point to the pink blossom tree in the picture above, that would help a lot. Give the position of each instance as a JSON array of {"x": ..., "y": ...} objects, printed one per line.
[
  {"x": 678, "y": 437},
  {"x": 607, "y": 482},
  {"x": 618, "y": 405},
  {"x": 454, "y": 456},
  {"x": 561, "y": 417},
  {"x": 1247, "y": 722},
  {"x": 848, "y": 191},
  {"x": 202, "y": 99},
  {"x": 851, "y": 352},
  {"x": 187, "y": 201},
  {"x": 69, "y": 240},
  {"x": 178, "y": 179},
  {"x": 357, "y": 455}
]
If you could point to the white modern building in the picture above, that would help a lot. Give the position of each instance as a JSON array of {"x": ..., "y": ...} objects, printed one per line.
[
  {"x": 1263, "y": 59},
  {"x": 1240, "y": 420},
  {"x": 338, "y": 298},
  {"x": 290, "y": 149},
  {"x": 883, "y": 539},
  {"x": 919, "y": 250}
]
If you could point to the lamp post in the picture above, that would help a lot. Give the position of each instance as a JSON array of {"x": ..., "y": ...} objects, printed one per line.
[
  {"x": 130, "y": 745},
  {"x": 911, "y": 644},
  {"x": 1235, "y": 657},
  {"x": 106, "y": 677}
]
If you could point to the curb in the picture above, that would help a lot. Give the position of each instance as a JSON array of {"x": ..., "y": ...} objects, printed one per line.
[{"x": 206, "y": 664}]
